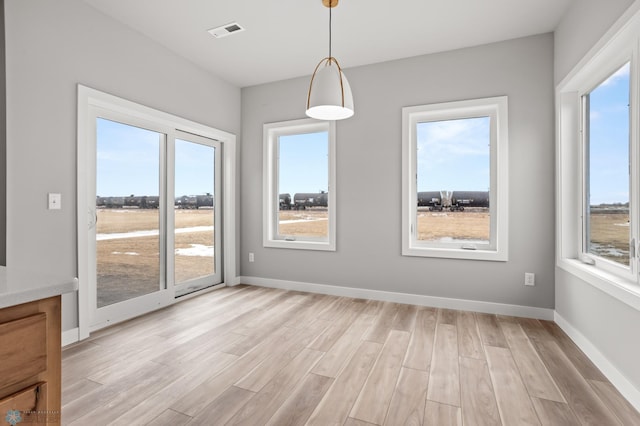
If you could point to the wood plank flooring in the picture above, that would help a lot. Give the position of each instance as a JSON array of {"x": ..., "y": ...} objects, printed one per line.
[{"x": 255, "y": 356}]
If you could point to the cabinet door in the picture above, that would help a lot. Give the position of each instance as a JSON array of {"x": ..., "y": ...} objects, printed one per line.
[
  {"x": 29, "y": 406},
  {"x": 24, "y": 349}
]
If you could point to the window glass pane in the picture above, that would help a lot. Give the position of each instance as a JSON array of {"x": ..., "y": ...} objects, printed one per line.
[
  {"x": 127, "y": 210},
  {"x": 194, "y": 210},
  {"x": 303, "y": 185},
  {"x": 453, "y": 180},
  {"x": 608, "y": 169}
]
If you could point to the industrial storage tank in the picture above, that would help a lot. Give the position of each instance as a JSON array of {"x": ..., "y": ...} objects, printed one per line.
[
  {"x": 113, "y": 202},
  {"x": 131, "y": 201},
  {"x": 462, "y": 199},
  {"x": 134, "y": 201},
  {"x": 302, "y": 201},
  {"x": 284, "y": 201},
  {"x": 204, "y": 201},
  {"x": 431, "y": 199},
  {"x": 187, "y": 202},
  {"x": 151, "y": 202}
]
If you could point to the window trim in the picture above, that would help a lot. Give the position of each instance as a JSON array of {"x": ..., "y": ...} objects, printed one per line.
[
  {"x": 495, "y": 107},
  {"x": 619, "y": 45},
  {"x": 270, "y": 201}
]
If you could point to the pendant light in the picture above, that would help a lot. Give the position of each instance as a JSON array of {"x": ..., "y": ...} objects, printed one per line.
[{"x": 329, "y": 96}]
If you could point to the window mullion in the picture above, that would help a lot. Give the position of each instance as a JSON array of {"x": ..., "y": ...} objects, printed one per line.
[
  {"x": 634, "y": 164},
  {"x": 584, "y": 210}
]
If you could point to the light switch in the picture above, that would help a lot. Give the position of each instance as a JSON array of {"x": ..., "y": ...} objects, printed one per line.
[{"x": 55, "y": 201}]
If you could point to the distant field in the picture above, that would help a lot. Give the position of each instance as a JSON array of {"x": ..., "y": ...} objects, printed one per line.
[
  {"x": 128, "y": 267},
  {"x": 610, "y": 236},
  {"x": 467, "y": 225},
  {"x": 313, "y": 223}
]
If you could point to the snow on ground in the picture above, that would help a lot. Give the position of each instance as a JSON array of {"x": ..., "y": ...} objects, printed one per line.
[
  {"x": 196, "y": 250},
  {"x": 282, "y": 222},
  {"x": 154, "y": 232},
  {"x": 606, "y": 250},
  {"x": 151, "y": 233}
]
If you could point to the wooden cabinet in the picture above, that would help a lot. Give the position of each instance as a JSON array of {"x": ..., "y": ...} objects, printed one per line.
[{"x": 30, "y": 362}]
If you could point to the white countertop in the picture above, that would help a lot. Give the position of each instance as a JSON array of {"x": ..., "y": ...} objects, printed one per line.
[{"x": 22, "y": 286}]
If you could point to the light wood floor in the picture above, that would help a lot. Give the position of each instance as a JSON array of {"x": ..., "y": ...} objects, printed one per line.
[{"x": 254, "y": 356}]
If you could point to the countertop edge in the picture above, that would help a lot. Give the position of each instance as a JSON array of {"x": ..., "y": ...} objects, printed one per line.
[{"x": 31, "y": 295}]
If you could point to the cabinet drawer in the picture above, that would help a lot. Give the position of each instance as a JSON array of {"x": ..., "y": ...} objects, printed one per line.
[
  {"x": 27, "y": 406},
  {"x": 23, "y": 352}
]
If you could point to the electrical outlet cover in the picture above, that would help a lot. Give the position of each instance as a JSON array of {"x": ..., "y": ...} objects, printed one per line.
[{"x": 529, "y": 279}]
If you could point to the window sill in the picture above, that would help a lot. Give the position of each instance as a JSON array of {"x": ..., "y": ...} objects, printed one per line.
[
  {"x": 625, "y": 291},
  {"x": 488, "y": 255},
  {"x": 301, "y": 245}
]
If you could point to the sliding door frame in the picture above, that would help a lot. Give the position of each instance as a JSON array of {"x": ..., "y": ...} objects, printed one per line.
[
  {"x": 90, "y": 98},
  {"x": 100, "y": 317},
  {"x": 199, "y": 283}
]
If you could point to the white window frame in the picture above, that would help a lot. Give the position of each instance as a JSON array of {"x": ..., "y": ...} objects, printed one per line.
[
  {"x": 497, "y": 109},
  {"x": 619, "y": 46},
  {"x": 271, "y": 204},
  {"x": 584, "y": 255}
]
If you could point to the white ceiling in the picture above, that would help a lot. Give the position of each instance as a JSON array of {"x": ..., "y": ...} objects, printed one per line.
[{"x": 287, "y": 38}]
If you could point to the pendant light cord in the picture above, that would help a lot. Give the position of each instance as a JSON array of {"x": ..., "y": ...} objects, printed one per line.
[{"x": 330, "y": 31}]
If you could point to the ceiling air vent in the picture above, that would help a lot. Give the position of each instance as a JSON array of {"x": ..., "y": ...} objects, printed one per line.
[{"x": 226, "y": 30}]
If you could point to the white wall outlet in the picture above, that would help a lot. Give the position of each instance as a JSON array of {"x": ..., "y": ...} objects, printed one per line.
[
  {"x": 529, "y": 278},
  {"x": 252, "y": 258},
  {"x": 55, "y": 201}
]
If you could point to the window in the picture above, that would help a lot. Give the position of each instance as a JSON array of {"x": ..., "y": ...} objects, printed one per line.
[
  {"x": 606, "y": 131},
  {"x": 299, "y": 194},
  {"x": 605, "y": 165},
  {"x": 598, "y": 176},
  {"x": 455, "y": 180}
]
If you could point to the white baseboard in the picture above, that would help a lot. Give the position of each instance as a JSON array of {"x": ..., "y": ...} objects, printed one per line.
[
  {"x": 233, "y": 281},
  {"x": 412, "y": 299},
  {"x": 70, "y": 336},
  {"x": 626, "y": 388}
]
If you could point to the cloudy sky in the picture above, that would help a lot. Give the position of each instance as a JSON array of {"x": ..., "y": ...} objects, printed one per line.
[
  {"x": 453, "y": 155},
  {"x": 304, "y": 161},
  {"x": 609, "y": 139},
  {"x": 128, "y": 160}
]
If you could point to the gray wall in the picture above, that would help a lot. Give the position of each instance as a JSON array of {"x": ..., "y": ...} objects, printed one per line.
[
  {"x": 51, "y": 46},
  {"x": 610, "y": 325},
  {"x": 582, "y": 26},
  {"x": 606, "y": 322},
  {"x": 369, "y": 167},
  {"x": 3, "y": 143}
]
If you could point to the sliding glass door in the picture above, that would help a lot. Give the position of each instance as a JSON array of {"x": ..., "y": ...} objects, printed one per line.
[
  {"x": 197, "y": 213},
  {"x": 130, "y": 219},
  {"x": 156, "y": 207}
]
